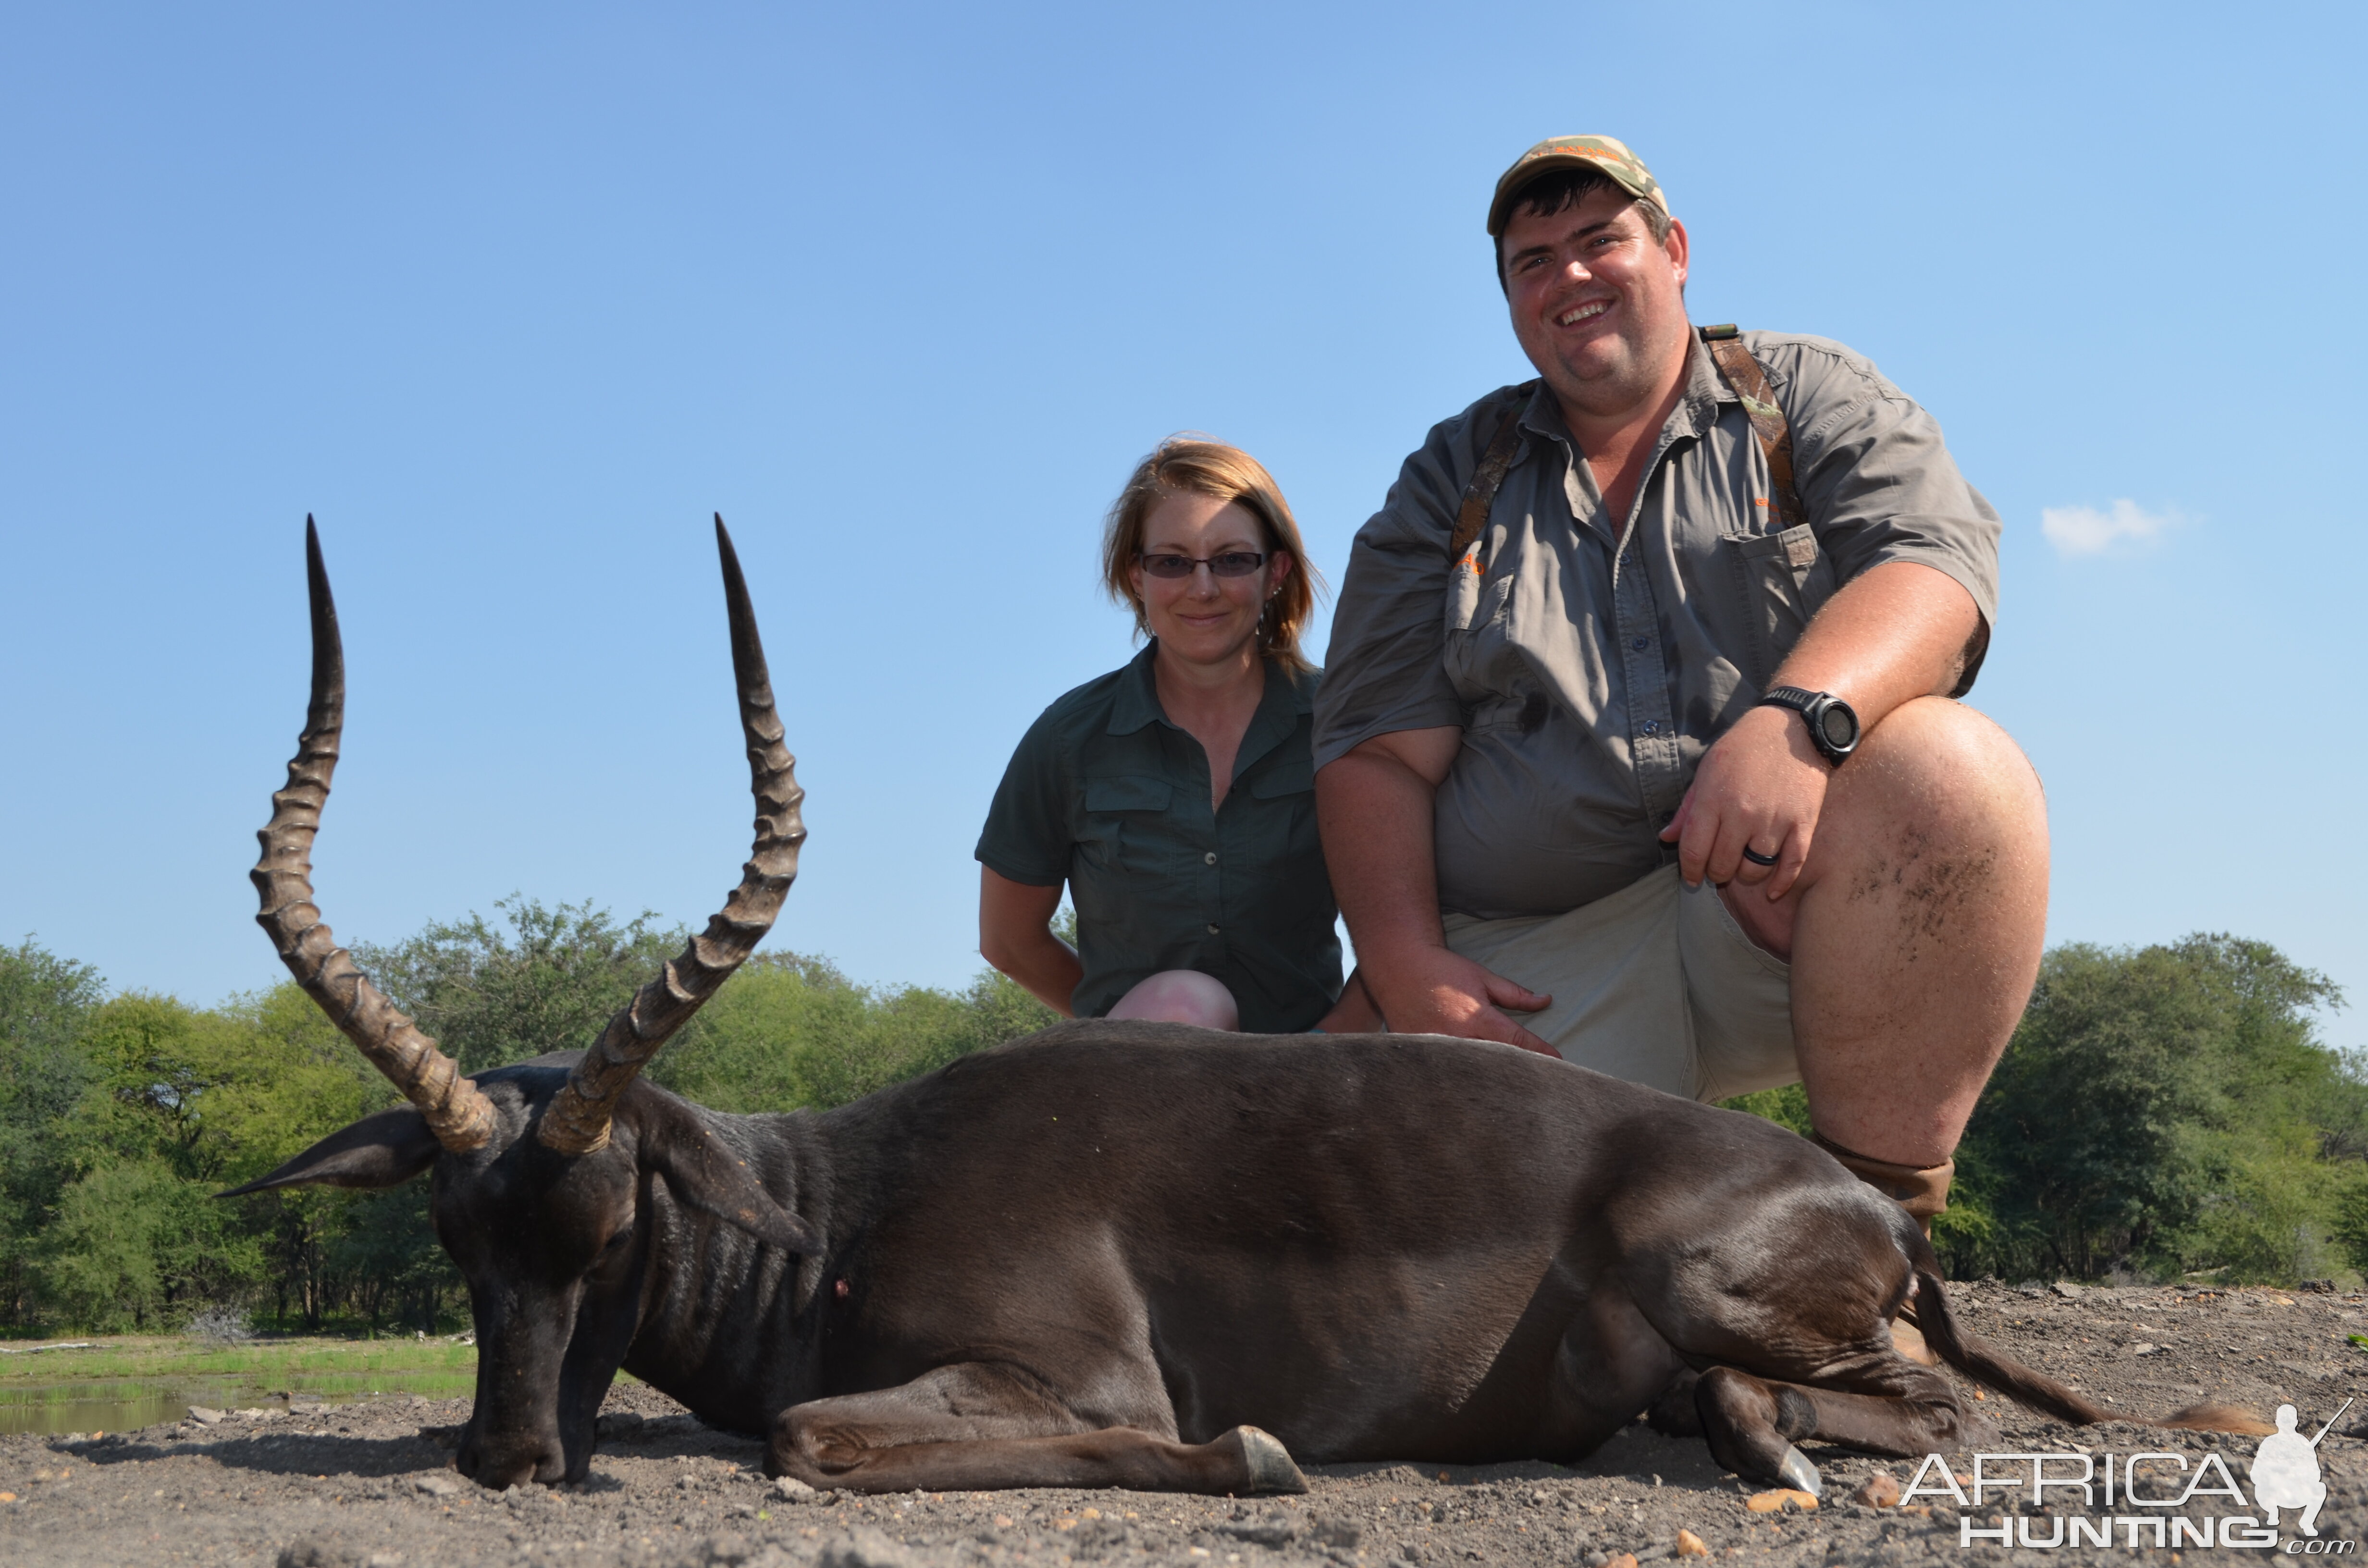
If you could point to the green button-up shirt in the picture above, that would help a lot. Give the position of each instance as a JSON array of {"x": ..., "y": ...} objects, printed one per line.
[{"x": 1107, "y": 794}]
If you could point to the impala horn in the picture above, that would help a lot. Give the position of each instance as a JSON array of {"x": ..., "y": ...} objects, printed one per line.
[
  {"x": 577, "y": 1120},
  {"x": 457, "y": 1111}
]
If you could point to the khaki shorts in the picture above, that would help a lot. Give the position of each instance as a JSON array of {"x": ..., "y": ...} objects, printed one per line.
[{"x": 1656, "y": 984}]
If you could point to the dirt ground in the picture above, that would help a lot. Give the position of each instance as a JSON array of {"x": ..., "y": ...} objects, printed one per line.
[{"x": 371, "y": 1484}]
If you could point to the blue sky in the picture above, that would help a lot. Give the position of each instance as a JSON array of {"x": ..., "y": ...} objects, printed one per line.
[{"x": 512, "y": 297}]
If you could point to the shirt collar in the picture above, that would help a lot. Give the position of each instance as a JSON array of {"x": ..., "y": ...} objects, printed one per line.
[
  {"x": 1541, "y": 415},
  {"x": 1696, "y": 411},
  {"x": 1137, "y": 702},
  {"x": 1302, "y": 687},
  {"x": 1705, "y": 388},
  {"x": 1277, "y": 717}
]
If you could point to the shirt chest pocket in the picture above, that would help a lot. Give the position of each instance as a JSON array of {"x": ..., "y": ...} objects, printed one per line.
[
  {"x": 1124, "y": 813},
  {"x": 1290, "y": 778},
  {"x": 1274, "y": 844},
  {"x": 1479, "y": 626},
  {"x": 1782, "y": 580}
]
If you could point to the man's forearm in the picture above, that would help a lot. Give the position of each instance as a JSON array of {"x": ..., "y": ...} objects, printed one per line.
[
  {"x": 1891, "y": 635},
  {"x": 1375, "y": 811},
  {"x": 1374, "y": 806}
]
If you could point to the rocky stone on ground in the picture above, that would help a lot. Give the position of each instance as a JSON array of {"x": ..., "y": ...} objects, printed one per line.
[{"x": 371, "y": 1485}]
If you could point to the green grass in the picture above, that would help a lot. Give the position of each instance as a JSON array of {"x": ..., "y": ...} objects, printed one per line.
[{"x": 321, "y": 1365}]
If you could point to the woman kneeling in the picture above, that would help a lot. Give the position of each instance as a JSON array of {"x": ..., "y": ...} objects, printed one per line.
[{"x": 1176, "y": 795}]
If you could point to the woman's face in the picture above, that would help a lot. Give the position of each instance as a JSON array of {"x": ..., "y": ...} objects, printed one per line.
[{"x": 1204, "y": 619}]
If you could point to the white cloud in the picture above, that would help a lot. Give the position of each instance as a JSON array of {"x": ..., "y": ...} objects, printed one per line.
[{"x": 2084, "y": 530}]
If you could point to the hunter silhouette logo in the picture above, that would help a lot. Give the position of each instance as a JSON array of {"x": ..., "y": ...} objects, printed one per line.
[
  {"x": 2285, "y": 1472},
  {"x": 2084, "y": 1499}
]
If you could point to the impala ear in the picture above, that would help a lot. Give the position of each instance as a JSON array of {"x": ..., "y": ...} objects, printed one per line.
[
  {"x": 378, "y": 1151},
  {"x": 704, "y": 1172}
]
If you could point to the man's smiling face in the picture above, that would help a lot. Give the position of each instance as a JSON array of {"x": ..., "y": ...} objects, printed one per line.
[{"x": 1597, "y": 300}]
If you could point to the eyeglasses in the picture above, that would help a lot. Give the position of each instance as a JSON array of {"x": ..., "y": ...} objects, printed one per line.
[{"x": 1232, "y": 563}]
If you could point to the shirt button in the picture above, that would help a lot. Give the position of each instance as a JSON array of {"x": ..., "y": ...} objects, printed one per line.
[
  {"x": 1641, "y": 643},
  {"x": 1210, "y": 858},
  {"x": 1652, "y": 726},
  {"x": 1212, "y": 927}
]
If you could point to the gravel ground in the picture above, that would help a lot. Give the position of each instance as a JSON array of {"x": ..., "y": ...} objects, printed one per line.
[{"x": 371, "y": 1484}]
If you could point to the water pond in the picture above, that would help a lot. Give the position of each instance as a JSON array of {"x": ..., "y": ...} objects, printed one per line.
[{"x": 109, "y": 1387}]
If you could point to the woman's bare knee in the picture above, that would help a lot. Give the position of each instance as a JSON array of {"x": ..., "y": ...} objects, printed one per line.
[{"x": 1181, "y": 996}]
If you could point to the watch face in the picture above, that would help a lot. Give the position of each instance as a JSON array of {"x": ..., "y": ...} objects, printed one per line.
[{"x": 1840, "y": 726}]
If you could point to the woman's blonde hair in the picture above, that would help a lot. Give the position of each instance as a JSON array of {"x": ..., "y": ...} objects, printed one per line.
[{"x": 1203, "y": 467}]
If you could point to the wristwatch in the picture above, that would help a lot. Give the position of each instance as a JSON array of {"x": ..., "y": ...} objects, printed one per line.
[{"x": 1833, "y": 724}]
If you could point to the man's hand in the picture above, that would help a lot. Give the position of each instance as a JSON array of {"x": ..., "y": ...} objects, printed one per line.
[
  {"x": 1375, "y": 807},
  {"x": 1897, "y": 631},
  {"x": 1761, "y": 787},
  {"x": 1439, "y": 991}
]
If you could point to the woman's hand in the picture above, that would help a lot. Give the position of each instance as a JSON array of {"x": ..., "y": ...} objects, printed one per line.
[
  {"x": 1015, "y": 935},
  {"x": 1355, "y": 1012}
]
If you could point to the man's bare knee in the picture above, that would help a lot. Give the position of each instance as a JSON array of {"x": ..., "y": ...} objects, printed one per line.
[
  {"x": 1946, "y": 741},
  {"x": 1181, "y": 996},
  {"x": 1943, "y": 767}
]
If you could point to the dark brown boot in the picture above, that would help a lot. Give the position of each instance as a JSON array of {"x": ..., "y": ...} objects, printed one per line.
[{"x": 1924, "y": 1193}]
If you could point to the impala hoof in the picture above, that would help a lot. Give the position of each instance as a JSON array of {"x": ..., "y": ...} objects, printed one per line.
[
  {"x": 1797, "y": 1471},
  {"x": 1269, "y": 1464}
]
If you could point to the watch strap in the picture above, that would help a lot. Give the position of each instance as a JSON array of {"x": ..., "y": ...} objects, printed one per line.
[{"x": 1812, "y": 706}]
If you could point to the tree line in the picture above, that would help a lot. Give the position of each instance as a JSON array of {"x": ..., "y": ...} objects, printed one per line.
[
  {"x": 2163, "y": 1112},
  {"x": 122, "y": 1115}
]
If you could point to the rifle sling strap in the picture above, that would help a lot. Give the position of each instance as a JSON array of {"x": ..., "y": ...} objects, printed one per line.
[
  {"x": 1750, "y": 384},
  {"x": 1481, "y": 493}
]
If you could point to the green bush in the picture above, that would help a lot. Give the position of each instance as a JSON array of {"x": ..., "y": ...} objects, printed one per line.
[
  {"x": 1787, "y": 1106},
  {"x": 121, "y": 1117},
  {"x": 45, "y": 1003},
  {"x": 129, "y": 1238},
  {"x": 2164, "y": 1110},
  {"x": 549, "y": 981},
  {"x": 2349, "y": 1227},
  {"x": 789, "y": 1031},
  {"x": 2159, "y": 1111}
]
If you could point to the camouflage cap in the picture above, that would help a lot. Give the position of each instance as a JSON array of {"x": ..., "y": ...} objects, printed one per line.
[{"x": 1603, "y": 153}]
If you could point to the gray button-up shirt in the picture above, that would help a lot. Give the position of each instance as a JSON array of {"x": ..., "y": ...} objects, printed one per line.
[{"x": 1590, "y": 660}]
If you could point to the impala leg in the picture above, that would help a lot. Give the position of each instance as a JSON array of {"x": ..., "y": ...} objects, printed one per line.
[
  {"x": 1674, "y": 1413},
  {"x": 983, "y": 1428},
  {"x": 1244, "y": 1460},
  {"x": 1752, "y": 1423}
]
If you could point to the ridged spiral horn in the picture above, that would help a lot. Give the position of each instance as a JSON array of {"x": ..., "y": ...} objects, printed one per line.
[
  {"x": 457, "y": 1111},
  {"x": 577, "y": 1120}
]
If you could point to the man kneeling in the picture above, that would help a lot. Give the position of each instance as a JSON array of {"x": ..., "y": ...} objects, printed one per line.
[{"x": 1638, "y": 714}]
